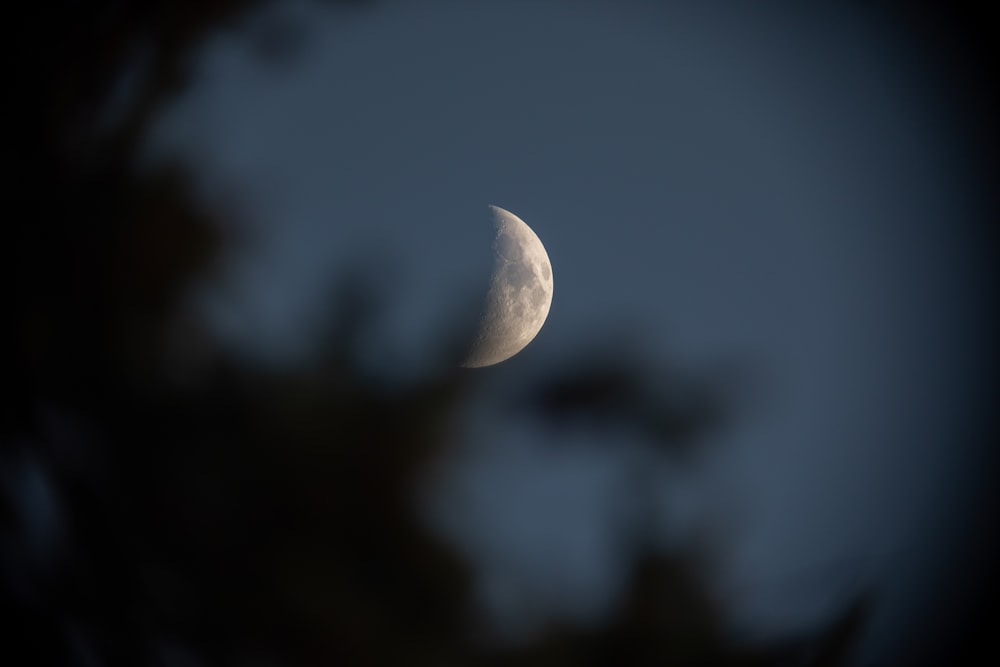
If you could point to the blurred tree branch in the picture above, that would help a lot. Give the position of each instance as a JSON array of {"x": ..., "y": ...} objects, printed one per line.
[{"x": 249, "y": 518}]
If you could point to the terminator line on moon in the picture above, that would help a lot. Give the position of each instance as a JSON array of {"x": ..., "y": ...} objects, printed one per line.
[{"x": 519, "y": 295}]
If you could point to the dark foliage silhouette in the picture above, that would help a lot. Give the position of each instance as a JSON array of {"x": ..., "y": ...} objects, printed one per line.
[{"x": 224, "y": 515}]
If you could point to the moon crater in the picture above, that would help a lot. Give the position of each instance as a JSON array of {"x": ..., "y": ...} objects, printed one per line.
[{"x": 519, "y": 296}]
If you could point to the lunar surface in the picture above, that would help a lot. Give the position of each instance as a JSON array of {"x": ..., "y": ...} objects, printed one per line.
[{"x": 519, "y": 296}]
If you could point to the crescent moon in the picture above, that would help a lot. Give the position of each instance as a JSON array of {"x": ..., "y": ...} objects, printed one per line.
[{"x": 519, "y": 296}]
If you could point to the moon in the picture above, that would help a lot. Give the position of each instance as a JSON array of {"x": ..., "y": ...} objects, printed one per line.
[{"x": 519, "y": 296}]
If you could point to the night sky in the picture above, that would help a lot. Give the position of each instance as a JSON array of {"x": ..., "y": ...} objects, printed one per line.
[{"x": 255, "y": 241}]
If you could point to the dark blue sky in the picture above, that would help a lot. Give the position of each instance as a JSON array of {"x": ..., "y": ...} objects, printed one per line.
[{"x": 785, "y": 187}]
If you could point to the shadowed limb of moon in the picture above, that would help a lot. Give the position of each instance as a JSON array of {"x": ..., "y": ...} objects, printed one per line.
[{"x": 519, "y": 296}]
